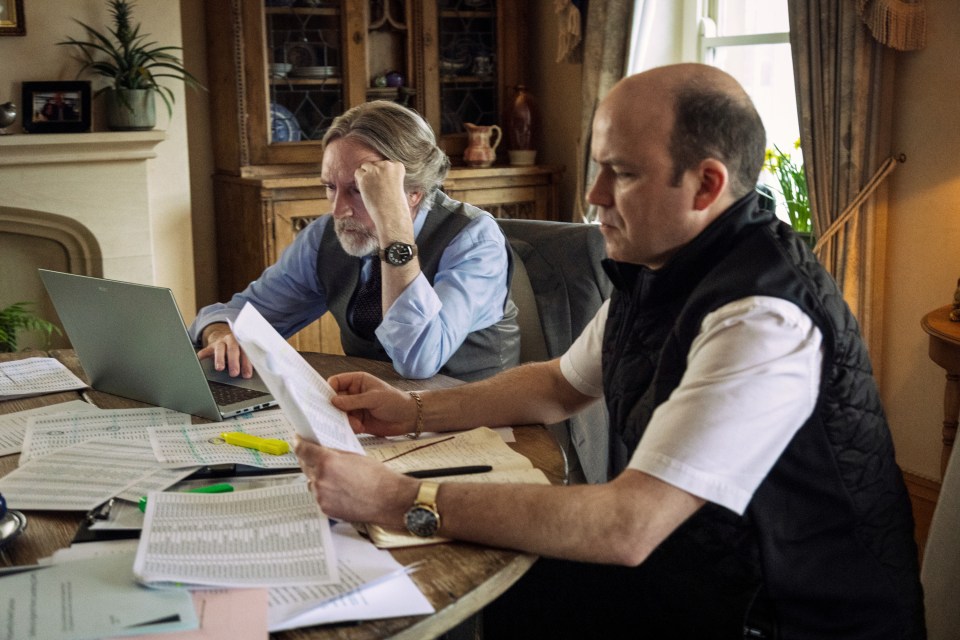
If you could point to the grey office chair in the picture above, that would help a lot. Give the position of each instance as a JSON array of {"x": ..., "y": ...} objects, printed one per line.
[
  {"x": 558, "y": 285},
  {"x": 940, "y": 573}
]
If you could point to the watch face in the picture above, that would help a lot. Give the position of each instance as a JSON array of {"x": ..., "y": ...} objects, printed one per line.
[
  {"x": 399, "y": 253},
  {"x": 422, "y": 522}
]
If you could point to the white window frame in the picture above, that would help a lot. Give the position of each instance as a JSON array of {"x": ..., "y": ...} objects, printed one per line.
[{"x": 708, "y": 40}]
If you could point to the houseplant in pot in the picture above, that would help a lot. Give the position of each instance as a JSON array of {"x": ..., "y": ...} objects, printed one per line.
[
  {"x": 18, "y": 317},
  {"x": 133, "y": 66}
]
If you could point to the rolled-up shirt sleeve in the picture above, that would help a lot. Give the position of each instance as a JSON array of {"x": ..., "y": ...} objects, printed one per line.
[
  {"x": 427, "y": 324},
  {"x": 288, "y": 293}
]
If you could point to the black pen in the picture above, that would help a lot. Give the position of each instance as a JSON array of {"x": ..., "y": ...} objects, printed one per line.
[
  {"x": 100, "y": 512},
  {"x": 449, "y": 471}
]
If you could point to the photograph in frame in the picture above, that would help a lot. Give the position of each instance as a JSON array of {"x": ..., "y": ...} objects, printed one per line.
[
  {"x": 56, "y": 107},
  {"x": 11, "y": 18}
]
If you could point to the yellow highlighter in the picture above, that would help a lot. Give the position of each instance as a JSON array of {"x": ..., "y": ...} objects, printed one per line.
[{"x": 267, "y": 445}]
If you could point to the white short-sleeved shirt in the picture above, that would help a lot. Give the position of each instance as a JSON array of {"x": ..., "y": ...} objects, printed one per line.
[{"x": 752, "y": 379}]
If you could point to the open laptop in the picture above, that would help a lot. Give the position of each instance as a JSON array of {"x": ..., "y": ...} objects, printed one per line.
[{"x": 131, "y": 340}]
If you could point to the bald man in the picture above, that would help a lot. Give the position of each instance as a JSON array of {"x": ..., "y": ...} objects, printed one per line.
[{"x": 753, "y": 489}]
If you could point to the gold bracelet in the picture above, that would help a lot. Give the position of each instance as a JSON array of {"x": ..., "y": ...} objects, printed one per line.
[{"x": 419, "y": 430}]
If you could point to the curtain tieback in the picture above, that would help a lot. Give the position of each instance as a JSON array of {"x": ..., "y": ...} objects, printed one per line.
[{"x": 885, "y": 169}]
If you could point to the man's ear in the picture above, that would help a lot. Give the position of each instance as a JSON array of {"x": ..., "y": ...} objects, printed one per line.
[
  {"x": 414, "y": 198},
  {"x": 713, "y": 183}
]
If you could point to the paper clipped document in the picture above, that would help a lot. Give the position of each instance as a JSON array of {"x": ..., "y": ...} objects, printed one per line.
[
  {"x": 270, "y": 537},
  {"x": 90, "y": 598},
  {"x": 480, "y": 446},
  {"x": 300, "y": 391},
  {"x": 13, "y": 426},
  {"x": 36, "y": 376},
  {"x": 201, "y": 444}
]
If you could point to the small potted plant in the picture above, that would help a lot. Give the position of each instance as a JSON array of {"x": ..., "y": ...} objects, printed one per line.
[
  {"x": 792, "y": 183},
  {"x": 132, "y": 64},
  {"x": 17, "y": 317}
]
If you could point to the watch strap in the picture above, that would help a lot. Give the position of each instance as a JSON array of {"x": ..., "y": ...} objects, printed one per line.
[
  {"x": 427, "y": 494},
  {"x": 398, "y": 253}
]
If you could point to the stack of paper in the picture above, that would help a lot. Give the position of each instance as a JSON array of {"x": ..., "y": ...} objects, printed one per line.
[
  {"x": 91, "y": 598},
  {"x": 36, "y": 376},
  {"x": 13, "y": 426},
  {"x": 268, "y": 537},
  {"x": 477, "y": 446},
  {"x": 273, "y": 537}
]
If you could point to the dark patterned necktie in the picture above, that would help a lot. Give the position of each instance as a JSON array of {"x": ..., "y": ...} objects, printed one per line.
[{"x": 367, "y": 309}]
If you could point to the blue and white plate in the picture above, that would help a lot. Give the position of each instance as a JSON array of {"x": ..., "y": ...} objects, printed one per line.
[{"x": 283, "y": 125}]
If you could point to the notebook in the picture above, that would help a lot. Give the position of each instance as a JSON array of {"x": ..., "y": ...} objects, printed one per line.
[{"x": 131, "y": 341}]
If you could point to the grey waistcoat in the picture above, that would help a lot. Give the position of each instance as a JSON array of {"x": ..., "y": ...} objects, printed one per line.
[{"x": 483, "y": 352}]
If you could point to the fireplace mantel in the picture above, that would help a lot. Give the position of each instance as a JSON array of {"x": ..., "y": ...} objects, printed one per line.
[
  {"x": 49, "y": 148},
  {"x": 102, "y": 181}
]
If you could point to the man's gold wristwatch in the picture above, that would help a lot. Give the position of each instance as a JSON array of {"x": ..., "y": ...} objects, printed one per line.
[{"x": 423, "y": 519}]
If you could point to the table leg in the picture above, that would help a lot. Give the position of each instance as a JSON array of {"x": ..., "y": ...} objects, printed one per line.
[{"x": 951, "y": 411}]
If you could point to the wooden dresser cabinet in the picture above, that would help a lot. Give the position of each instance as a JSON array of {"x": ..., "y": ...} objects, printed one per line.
[{"x": 281, "y": 70}]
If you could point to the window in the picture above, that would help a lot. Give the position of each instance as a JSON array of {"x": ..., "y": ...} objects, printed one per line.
[{"x": 750, "y": 40}]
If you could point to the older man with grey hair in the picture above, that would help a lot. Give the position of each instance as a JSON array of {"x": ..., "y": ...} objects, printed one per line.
[{"x": 410, "y": 275}]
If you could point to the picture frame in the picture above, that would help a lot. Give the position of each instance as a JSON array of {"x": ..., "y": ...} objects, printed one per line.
[
  {"x": 56, "y": 107},
  {"x": 11, "y": 18}
]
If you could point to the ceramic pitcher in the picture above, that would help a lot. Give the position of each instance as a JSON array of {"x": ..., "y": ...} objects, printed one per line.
[{"x": 480, "y": 151}]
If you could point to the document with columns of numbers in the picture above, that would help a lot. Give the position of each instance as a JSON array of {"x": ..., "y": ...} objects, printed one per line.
[{"x": 270, "y": 537}]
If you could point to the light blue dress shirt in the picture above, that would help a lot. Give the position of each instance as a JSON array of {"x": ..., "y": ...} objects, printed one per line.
[{"x": 424, "y": 326}]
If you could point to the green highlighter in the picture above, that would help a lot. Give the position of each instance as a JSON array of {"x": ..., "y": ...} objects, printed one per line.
[{"x": 220, "y": 487}]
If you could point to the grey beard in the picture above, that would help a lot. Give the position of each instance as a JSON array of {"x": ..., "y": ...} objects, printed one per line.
[{"x": 356, "y": 239}]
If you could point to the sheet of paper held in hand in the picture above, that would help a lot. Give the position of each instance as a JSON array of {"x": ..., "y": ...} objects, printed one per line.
[
  {"x": 300, "y": 391},
  {"x": 271, "y": 537},
  {"x": 34, "y": 377}
]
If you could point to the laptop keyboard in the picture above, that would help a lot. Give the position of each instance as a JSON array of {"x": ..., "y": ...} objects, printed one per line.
[{"x": 227, "y": 394}]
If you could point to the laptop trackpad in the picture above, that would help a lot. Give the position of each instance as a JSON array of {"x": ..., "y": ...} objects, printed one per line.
[{"x": 224, "y": 377}]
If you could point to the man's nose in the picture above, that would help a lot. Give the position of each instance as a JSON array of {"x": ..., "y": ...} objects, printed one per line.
[
  {"x": 341, "y": 209},
  {"x": 598, "y": 194}
]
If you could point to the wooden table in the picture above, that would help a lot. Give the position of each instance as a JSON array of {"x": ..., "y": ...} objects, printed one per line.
[
  {"x": 944, "y": 349},
  {"x": 458, "y": 578}
]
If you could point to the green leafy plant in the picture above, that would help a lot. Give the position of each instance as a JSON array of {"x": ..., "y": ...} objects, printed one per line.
[
  {"x": 792, "y": 182},
  {"x": 18, "y": 317},
  {"x": 128, "y": 59}
]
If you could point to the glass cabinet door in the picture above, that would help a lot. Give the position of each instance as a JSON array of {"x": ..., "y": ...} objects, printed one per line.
[
  {"x": 304, "y": 67},
  {"x": 282, "y": 70},
  {"x": 468, "y": 64}
]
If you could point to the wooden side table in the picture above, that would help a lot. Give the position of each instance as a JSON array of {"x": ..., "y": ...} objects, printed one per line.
[{"x": 945, "y": 351}]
